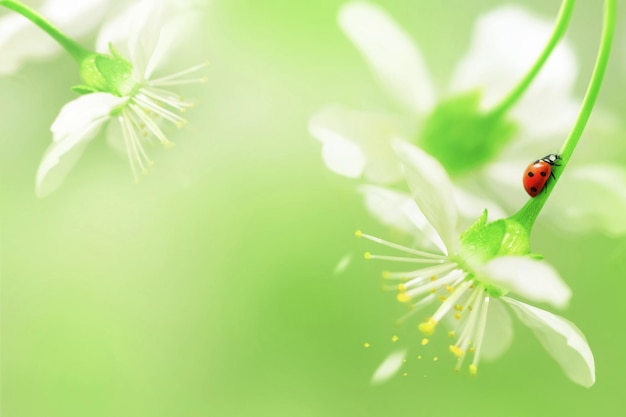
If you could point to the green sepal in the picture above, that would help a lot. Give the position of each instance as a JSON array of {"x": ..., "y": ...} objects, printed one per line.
[
  {"x": 83, "y": 89},
  {"x": 108, "y": 73},
  {"x": 463, "y": 137},
  {"x": 484, "y": 241}
]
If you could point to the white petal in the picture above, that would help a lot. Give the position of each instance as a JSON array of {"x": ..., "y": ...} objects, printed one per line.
[
  {"x": 75, "y": 18},
  {"x": 498, "y": 333},
  {"x": 432, "y": 191},
  {"x": 78, "y": 113},
  {"x": 532, "y": 279},
  {"x": 591, "y": 197},
  {"x": 391, "y": 54},
  {"x": 78, "y": 122},
  {"x": 562, "y": 339},
  {"x": 471, "y": 205},
  {"x": 390, "y": 366},
  {"x": 358, "y": 143},
  {"x": 505, "y": 44},
  {"x": 399, "y": 210}
]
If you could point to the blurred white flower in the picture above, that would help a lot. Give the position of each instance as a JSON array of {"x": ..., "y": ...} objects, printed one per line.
[
  {"x": 22, "y": 41},
  {"x": 132, "y": 98},
  {"x": 504, "y": 45},
  {"x": 473, "y": 288}
]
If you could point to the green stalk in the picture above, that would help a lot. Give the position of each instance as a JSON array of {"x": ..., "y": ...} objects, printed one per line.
[
  {"x": 528, "y": 214},
  {"x": 74, "y": 49},
  {"x": 560, "y": 27}
]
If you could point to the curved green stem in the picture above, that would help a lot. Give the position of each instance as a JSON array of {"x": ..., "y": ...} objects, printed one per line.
[
  {"x": 74, "y": 49},
  {"x": 528, "y": 214},
  {"x": 560, "y": 27}
]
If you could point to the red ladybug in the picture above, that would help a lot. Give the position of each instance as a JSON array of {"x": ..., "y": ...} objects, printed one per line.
[{"x": 537, "y": 174}]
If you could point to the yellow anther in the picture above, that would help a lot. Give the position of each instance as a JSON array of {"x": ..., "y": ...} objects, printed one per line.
[
  {"x": 366, "y": 344},
  {"x": 394, "y": 338},
  {"x": 403, "y": 297},
  {"x": 471, "y": 350},
  {"x": 358, "y": 233},
  {"x": 433, "y": 278},
  {"x": 401, "y": 287},
  {"x": 433, "y": 290},
  {"x": 458, "y": 308},
  {"x": 451, "y": 333},
  {"x": 457, "y": 316},
  {"x": 427, "y": 327},
  {"x": 386, "y": 274},
  {"x": 424, "y": 341},
  {"x": 442, "y": 298},
  {"x": 367, "y": 255},
  {"x": 458, "y": 352},
  {"x": 473, "y": 370},
  {"x": 449, "y": 288}
]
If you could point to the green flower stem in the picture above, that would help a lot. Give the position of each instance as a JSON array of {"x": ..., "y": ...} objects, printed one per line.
[
  {"x": 75, "y": 50},
  {"x": 560, "y": 27},
  {"x": 528, "y": 214}
]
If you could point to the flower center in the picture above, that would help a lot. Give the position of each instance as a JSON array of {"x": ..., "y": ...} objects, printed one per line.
[{"x": 462, "y": 137}]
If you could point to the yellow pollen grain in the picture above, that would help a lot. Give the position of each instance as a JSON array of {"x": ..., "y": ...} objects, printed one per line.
[
  {"x": 401, "y": 287},
  {"x": 427, "y": 327},
  {"x": 403, "y": 297},
  {"x": 449, "y": 288},
  {"x": 451, "y": 333},
  {"x": 405, "y": 374},
  {"x": 394, "y": 338},
  {"x": 458, "y": 352},
  {"x": 425, "y": 341},
  {"x": 433, "y": 278},
  {"x": 358, "y": 233},
  {"x": 471, "y": 350},
  {"x": 458, "y": 308},
  {"x": 473, "y": 370},
  {"x": 419, "y": 357},
  {"x": 442, "y": 298},
  {"x": 435, "y": 359},
  {"x": 366, "y": 344},
  {"x": 367, "y": 255},
  {"x": 457, "y": 316}
]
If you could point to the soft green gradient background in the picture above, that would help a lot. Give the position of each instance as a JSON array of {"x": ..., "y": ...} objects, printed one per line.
[{"x": 207, "y": 290}]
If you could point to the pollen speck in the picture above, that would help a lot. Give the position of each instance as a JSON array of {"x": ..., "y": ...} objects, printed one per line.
[
  {"x": 425, "y": 341},
  {"x": 435, "y": 359},
  {"x": 403, "y": 297},
  {"x": 358, "y": 233},
  {"x": 367, "y": 255},
  {"x": 366, "y": 344},
  {"x": 395, "y": 338},
  {"x": 473, "y": 370},
  {"x": 451, "y": 333}
]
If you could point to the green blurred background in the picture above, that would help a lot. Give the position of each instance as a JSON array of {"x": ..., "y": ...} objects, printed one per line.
[{"x": 208, "y": 289}]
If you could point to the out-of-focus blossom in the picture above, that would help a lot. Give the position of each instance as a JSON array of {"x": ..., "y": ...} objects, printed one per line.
[{"x": 484, "y": 153}]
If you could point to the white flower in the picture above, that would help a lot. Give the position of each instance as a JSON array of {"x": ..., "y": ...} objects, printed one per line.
[
  {"x": 150, "y": 30},
  {"x": 21, "y": 40},
  {"x": 473, "y": 293},
  {"x": 505, "y": 44}
]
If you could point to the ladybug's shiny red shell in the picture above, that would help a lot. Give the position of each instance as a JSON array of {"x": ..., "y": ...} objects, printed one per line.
[
  {"x": 538, "y": 173},
  {"x": 536, "y": 176}
]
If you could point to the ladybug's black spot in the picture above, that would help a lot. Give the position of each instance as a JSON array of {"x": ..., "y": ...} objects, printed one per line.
[
  {"x": 530, "y": 174},
  {"x": 533, "y": 189},
  {"x": 543, "y": 173}
]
